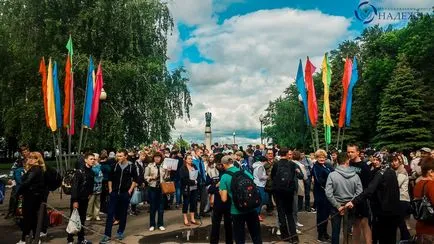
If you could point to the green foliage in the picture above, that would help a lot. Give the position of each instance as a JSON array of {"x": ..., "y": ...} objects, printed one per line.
[
  {"x": 392, "y": 105},
  {"x": 402, "y": 121},
  {"x": 181, "y": 143},
  {"x": 129, "y": 37}
]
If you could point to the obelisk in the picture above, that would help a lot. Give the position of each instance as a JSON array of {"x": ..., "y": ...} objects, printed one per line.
[{"x": 208, "y": 137}]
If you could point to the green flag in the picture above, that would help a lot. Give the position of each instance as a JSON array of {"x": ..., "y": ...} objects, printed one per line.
[{"x": 70, "y": 49}]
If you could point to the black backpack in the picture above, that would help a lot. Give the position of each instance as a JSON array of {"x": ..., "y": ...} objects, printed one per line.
[
  {"x": 422, "y": 208},
  {"x": 67, "y": 180},
  {"x": 53, "y": 179},
  {"x": 284, "y": 180},
  {"x": 244, "y": 193}
]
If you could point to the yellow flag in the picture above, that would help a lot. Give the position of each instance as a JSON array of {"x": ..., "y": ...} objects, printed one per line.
[
  {"x": 326, "y": 79},
  {"x": 50, "y": 99}
]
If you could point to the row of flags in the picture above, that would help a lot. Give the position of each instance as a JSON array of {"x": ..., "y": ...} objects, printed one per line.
[
  {"x": 306, "y": 89},
  {"x": 51, "y": 94}
]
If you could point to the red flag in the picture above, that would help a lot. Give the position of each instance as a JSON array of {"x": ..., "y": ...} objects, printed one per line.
[
  {"x": 96, "y": 95},
  {"x": 43, "y": 72},
  {"x": 345, "y": 83},
  {"x": 312, "y": 105},
  {"x": 67, "y": 90},
  {"x": 71, "y": 129}
]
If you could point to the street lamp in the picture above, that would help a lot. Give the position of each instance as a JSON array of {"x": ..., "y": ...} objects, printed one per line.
[
  {"x": 234, "y": 137},
  {"x": 261, "y": 120}
]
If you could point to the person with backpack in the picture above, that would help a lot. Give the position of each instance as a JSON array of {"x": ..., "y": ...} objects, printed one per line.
[
  {"x": 32, "y": 190},
  {"x": 140, "y": 164},
  {"x": 342, "y": 186},
  {"x": 320, "y": 172},
  {"x": 284, "y": 176},
  {"x": 383, "y": 194},
  {"x": 238, "y": 186},
  {"x": 122, "y": 182},
  {"x": 222, "y": 210},
  {"x": 81, "y": 189},
  {"x": 425, "y": 187}
]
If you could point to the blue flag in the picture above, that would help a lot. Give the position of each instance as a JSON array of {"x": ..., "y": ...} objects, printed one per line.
[
  {"x": 353, "y": 81},
  {"x": 89, "y": 94},
  {"x": 301, "y": 87},
  {"x": 57, "y": 97}
]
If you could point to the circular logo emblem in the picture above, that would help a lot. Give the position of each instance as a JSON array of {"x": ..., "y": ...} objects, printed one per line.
[{"x": 366, "y": 12}]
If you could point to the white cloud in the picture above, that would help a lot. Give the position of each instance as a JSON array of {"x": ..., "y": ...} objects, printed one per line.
[{"x": 254, "y": 57}]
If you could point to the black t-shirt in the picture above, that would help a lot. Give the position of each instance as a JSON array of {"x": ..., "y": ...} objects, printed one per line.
[{"x": 363, "y": 171}]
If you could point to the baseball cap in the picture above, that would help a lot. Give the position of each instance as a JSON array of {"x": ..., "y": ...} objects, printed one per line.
[{"x": 426, "y": 149}]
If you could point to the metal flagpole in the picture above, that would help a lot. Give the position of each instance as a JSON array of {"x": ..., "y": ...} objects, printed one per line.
[
  {"x": 339, "y": 135},
  {"x": 316, "y": 138},
  {"x": 54, "y": 145},
  {"x": 343, "y": 137}
]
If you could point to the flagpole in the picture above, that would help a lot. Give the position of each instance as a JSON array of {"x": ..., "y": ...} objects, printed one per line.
[
  {"x": 85, "y": 137},
  {"x": 316, "y": 138},
  {"x": 339, "y": 135},
  {"x": 342, "y": 141},
  {"x": 84, "y": 109},
  {"x": 59, "y": 144},
  {"x": 312, "y": 137},
  {"x": 54, "y": 145}
]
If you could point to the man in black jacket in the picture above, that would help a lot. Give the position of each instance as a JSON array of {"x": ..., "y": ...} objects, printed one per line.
[
  {"x": 81, "y": 189},
  {"x": 121, "y": 184},
  {"x": 284, "y": 176},
  {"x": 383, "y": 192}
]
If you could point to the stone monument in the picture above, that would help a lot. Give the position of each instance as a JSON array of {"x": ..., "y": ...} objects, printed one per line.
[{"x": 208, "y": 137}]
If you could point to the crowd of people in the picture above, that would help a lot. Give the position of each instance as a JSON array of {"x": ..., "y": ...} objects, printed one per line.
[{"x": 369, "y": 191}]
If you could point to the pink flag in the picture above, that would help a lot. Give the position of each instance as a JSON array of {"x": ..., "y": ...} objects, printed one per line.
[{"x": 96, "y": 94}]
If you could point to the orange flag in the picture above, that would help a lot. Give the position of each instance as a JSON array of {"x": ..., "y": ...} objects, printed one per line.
[
  {"x": 345, "y": 83},
  {"x": 67, "y": 90},
  {"x": 43, "y": 72}
]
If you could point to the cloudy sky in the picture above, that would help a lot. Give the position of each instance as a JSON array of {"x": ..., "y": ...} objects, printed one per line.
[{"x": 240, "y": 54}]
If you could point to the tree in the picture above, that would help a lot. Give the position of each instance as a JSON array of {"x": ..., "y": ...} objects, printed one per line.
[
  {"x": 128, "y": 36},
  {"x": 403, "y": 123}
]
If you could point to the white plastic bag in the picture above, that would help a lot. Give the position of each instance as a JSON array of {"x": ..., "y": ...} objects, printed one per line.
[{"x": 74, "y": 224}]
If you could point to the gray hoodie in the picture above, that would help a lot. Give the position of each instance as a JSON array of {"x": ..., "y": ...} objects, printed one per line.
[{"x": 342, "y": 186}]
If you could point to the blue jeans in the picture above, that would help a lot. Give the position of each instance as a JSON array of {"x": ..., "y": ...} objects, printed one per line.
[
  {"x": 178, "y": 192},
  {"x": 264, "y": 198},
  {"x": 118, "y": 204},
  {"x": 157, "y": 204}
]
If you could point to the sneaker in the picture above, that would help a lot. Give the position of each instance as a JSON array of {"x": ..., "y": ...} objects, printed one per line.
[
  {"x": 312, "y": 210},
  {"x": 88, "y": 218},
  {"x": 43, "y": 234},
  {"x": 98, "y": 218},
  {"x": 105, "y": 240},
  {"x": 152, "y": 228},
  {"x": 297, "y": 231},
  {"x": 120, "y": 236},
  {"x": 278, "y": 232},
  {"x": 70, "y": 242},
  {"x": 85, "y": 242},
  {"x": 299, "y": 225},
  {"x": 21, "y": 242},
  {"x": 162, "y": 228}
]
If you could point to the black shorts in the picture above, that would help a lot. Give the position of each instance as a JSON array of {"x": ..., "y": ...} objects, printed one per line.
[{"x": 362, "y": 210}]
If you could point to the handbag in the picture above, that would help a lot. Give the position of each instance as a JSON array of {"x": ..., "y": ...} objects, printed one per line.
[
  {"x": 422, "y": 208},
  {"x": 136, "y": 198},
  {"x": 167, "y": 187}
]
